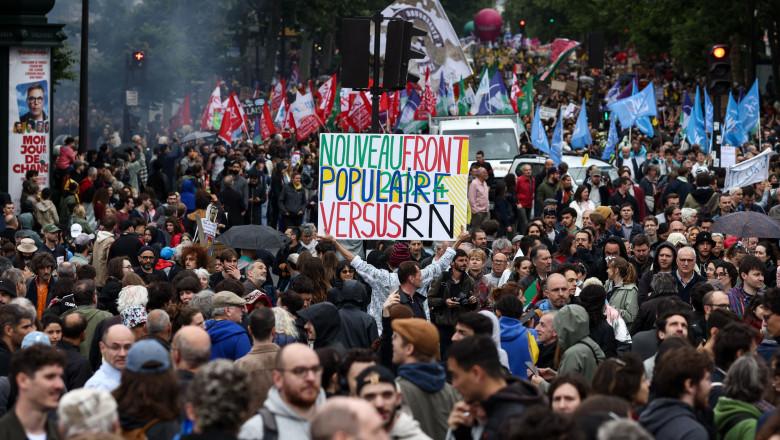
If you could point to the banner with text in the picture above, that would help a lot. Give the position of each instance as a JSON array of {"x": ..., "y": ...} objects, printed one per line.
[
  {"x": 393, "y": 187},
  {"x": 29, "y": 76},
  {"x": 748, "y": 172}
]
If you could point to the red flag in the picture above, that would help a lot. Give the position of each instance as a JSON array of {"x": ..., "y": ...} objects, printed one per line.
[
  {"x": 515, "y": 93},
  {"x": 360, "y": 113},
  {"x": 306, "y": 120},
  {"x": 428, "y": 103},
  {"x": 266, "y": 123},
  {"x": 394, "y": 107},
  {"x": 215, "y": 103},
  {"x": 182, "y": 116},
  {"x": 241, "y": 113},
  {"x": 345, "y": 99},
  {"x": 225, "y": 132},
  {"x": 257, "y": 87},
  {"x": 288, "y": 124},
  {"x": 326, "y": 96},
  {"x": 235, "y": 109},
  {"x": 277, "y": 94}
]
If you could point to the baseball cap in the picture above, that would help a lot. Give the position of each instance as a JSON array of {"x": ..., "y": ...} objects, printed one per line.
[
  {"x": 226, "y": 299},
  {"x": 133, "y": 316},
  {"x": 256, "y": 295},
  {"x": 75, "y": 230},
  {"x": 373, "y": 375},
  {"x": 144, "y": 351},
  {"x": 51, "y": 228},
  {"x": 83, "y": 239},
  {"x": 35, "y": 338}
]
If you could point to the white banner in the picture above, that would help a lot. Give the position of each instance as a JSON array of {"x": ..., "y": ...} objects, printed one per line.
[
  {"x": 750, "y": 171},
  {"x": 29, "y": 104},
  {"x": 547, "y": 113},
  {"x": 441, "y": 46}
]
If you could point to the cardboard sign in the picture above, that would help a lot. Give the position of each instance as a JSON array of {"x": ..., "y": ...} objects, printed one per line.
[
  {"x": 571, "y": 87},
  {"x": 395, "y": 187},
  {"x": 558, "y": 85},
  {"x": 547, "y": 113}
]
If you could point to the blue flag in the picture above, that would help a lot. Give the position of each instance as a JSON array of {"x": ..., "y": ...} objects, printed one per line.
[
  {"x": 556, "y": 147},
  {"x": 709, "y": 120},
  {"x": 732, "y": 126},
  {"x": 748, "y": 110},
  {"x": 612, "y": 140},
  {"x": 695, "y": 132},
  {"x": 687, "y": 108},
  {"x": 406, "y": 122},
  {"x": 496, "y": 101},
  {"x": 644, "y": 124},
  {"x": 630, "y": 109},
  {"x": 581, "y": 136},
  {"x": 538, "y": 136},
  {"x": 257, "y": 127},
  {"x": 612, "y": 95}
]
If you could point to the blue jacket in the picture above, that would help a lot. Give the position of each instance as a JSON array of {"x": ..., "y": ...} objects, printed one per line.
[
  {"x": 228, "y": 340},
  {"x": 514, "y": 340}
]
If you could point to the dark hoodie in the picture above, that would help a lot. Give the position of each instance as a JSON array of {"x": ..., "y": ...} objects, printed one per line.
[
  {"x": 699, "y": 198},
  {"x": 672, "y": 419},
  {"x": 327, "y": 324},
  {"x": 358, "y": 329},
  {"x": 644, "y": 282},
  {"x": 510, "y": 401},
  {"x": 427, "y": 395}
]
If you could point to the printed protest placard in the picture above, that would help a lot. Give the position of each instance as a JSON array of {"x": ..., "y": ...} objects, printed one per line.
[
  {"x": 393, "y": 187},
  {"x": 29, "y": 103}
]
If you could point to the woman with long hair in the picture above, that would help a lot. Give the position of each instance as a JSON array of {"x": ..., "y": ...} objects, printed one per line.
[
  {"x": 566, "y": 249},
  {"x": 173, "y": 227},
  {"x": 621, "y": 289},
  {"x": 100, "y": 202},
  {"x": 314, "y": 270},
  {"x": 623, "y": 377},
  {"x": 766, "y": 253},
  {"x": 727, "y": 274},
  {"x": 581, "y": 203},
  {"x": 566, "y": 393},
  {"x": 565, "y": 193},
  {"x": 148, "y": 394},
  {"x": 593, "y": 299}
]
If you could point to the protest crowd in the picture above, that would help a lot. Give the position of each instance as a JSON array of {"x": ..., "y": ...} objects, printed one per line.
[{"x": 597, "y": 309}]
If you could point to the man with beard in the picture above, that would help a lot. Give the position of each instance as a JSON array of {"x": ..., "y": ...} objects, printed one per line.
[
  {"x": 257, "y": 279},
  {"x": 640, "y": 248},
  {"x": 724, "y": 206},
  {"x": 295, "y": 396},
  {"x": 704, "y": 244},
  {"x": 452, "y": 293},
  {"x": 556, "y": 292},
  {"x": 147, "y": 259},
  {"x": 39, "y": 286},
  {"x": 376, "y": 385},
  {"x": 682, "y": 383}
]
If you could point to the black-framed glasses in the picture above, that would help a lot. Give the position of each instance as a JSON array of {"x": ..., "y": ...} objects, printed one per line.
[
  {"x": 38, "y": 99},
  {"x": 303, "y": 371}
]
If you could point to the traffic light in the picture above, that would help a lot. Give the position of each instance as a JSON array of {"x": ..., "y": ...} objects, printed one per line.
[
  {"x": 355, "y": 40},
  {"x": 410, "y": 54},
  {"x": 522, "y": 27},
  {"x": 718, "y": 69},
  {"x": 138, "y": 60}
]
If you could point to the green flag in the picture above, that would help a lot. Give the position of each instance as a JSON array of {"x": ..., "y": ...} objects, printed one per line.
[
  {"x": 334, "y": 113},
  {"x": 525, "y": 104}
]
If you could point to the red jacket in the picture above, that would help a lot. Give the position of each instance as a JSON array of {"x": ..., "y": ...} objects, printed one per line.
[{"x": 525, "y": 191}]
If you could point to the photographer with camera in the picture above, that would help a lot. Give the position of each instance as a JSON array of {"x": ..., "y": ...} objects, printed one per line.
[{"x": 449, "y": 295}]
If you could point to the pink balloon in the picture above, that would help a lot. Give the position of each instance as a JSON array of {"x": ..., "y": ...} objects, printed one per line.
[{"x": 487, "y": 24}]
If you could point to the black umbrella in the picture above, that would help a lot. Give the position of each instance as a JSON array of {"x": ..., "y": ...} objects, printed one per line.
[
  {"x": 254, "y": 237},
  {"x": 197, "y": 135},
  {"x": 747, "y": 224}
]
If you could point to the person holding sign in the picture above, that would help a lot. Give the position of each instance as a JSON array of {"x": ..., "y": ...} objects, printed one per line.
[{"x": 383, "y": 282}]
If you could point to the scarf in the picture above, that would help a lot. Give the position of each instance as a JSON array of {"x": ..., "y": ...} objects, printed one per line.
[{"x": 297, "y": 186}]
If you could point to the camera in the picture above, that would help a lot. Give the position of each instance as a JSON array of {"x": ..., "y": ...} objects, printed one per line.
[{"x": 461, "y": 299}]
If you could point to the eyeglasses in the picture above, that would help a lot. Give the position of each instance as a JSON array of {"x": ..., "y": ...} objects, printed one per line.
[
  {"x": 499, "y": 261},
  {"x": 38, "y": 99},
  {"x": 685, "y": 260},
  {"x": 147, "y": 257},
  {"x": 721, "y": 274},
  {"x": 303, "y": 371},
  {"x": 725, "y": 306}
]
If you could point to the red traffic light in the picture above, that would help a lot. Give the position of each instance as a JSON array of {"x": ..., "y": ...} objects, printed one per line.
[
  {"x": 522, "y": 22},
  {"x": 719, "y": 52},
  {"x": 138, "y": 56}
]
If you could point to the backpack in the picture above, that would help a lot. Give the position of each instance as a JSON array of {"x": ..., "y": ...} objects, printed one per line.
[
  {"x": 270, "y": 430},
  {"x": 137, "y": 433}
]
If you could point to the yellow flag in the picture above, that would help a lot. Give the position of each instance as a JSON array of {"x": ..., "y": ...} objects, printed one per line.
[{"x": 584, "y": 159}]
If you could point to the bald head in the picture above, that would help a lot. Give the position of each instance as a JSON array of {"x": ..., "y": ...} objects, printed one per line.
[
  {"x": 557, "y": 291},
  {"x": 294, "y": 352},
  {"x": 115, "y": 345},
  {"x": 117, "y": 331},
  {"x": 676, "y": 226},
  {"x": 158, "y": 323},
  {"x": 191, "y": 348},
  {"x": 347, "y": 417}
]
